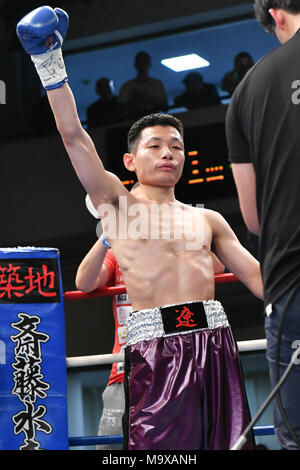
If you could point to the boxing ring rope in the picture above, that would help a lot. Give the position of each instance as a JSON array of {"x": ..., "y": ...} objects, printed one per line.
[
  {"x": 110, "y": 291},
  {"x": 105, "y": 359}
]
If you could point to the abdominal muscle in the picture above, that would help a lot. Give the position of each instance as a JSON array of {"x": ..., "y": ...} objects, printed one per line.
[{"x": 156, "y": 274}]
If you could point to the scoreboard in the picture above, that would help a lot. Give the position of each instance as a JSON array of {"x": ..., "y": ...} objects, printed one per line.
[{"x": 207, "y": 173}]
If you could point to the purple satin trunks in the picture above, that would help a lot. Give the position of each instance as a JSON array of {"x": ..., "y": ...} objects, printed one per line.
[{"x": 184, "y": 388}]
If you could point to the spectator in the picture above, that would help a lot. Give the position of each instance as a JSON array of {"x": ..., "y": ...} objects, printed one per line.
[
  {"x": 242, "y": 63},
  {"x": 197, "y": 93},
  {"x": 143, "y": 94},
  {"x": 105, "y": 109}
]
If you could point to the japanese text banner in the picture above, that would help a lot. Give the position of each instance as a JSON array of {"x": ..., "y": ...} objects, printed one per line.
[{"x": 33, "y": 406}]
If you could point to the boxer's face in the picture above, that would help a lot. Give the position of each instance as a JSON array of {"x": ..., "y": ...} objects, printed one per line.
[{"x": 159, "y": 156}]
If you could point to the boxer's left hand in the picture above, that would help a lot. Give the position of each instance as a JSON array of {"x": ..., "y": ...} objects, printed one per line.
[{"x": 41, "y": 33}]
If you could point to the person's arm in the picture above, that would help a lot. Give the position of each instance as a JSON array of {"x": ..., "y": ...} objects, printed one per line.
[
  {"x": 92, "y": 273},
  {"x": 219, "y": 267},
  {"x": 241, "y": 158},
  {"x": 41, "y": 33},
  {"x": 245, "y": 181},
  {"x": 101, "y": 185},
  {"x": 233, "y": 255}
]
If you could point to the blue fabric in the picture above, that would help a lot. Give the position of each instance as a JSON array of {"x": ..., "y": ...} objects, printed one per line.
[{"x": 33, "y": 405}]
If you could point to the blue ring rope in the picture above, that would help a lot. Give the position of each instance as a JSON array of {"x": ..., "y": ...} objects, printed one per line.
[{"x": 118, "y": 439}]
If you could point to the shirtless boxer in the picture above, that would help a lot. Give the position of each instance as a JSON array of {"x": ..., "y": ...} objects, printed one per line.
[
  {"x": 184, "y": 388},
  {"x": 99, "y": 268}
]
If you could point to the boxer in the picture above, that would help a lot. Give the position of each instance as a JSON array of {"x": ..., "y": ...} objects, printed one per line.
[{"x": 182, "y": 366}]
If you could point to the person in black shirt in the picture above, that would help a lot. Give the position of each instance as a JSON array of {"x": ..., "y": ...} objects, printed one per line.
[
  {"x": 105, "y": 109},
  {"x": 143, "y": 94},
  {"x": 263, "y": 138},
  {"x": 197, "y": 93},
  {"x": 242, "y": 63}
]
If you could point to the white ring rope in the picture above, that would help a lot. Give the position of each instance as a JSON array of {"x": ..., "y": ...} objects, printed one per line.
[
  {"x": 254, "y": 345},
  {"x": 102, "y": 359},
  {"x": 95, "y": 360}
]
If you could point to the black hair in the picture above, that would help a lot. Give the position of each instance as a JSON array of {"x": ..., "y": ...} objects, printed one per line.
[
  {"x": 262, "y": 7},
  {"x": 243, "y": 55},
  {"x": 142, "y": 55},
  {"x": 151, "y": 120}
]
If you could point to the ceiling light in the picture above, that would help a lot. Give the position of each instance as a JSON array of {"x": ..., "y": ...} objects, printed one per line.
[{"x": 185, "y": 62}]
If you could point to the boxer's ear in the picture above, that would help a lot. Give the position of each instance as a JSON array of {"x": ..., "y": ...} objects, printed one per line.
[{"x": 129, "y": 161}]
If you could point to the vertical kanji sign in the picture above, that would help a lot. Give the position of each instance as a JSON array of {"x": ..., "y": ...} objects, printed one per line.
[{"x": 33, "y": 404}]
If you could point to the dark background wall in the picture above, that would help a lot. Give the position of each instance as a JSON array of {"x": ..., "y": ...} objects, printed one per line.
[
  {"x": 90, "y": 17},
  {"x": 42, "y": 202}
]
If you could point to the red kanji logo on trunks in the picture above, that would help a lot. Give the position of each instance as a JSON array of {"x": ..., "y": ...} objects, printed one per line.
[{"x": 185, "y": 318}]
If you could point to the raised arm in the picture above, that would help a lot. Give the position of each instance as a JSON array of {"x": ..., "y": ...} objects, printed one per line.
[
  {"x": 101, "y": 185},
  {"x": 41, "y": 33},
  {"x": 233, "y": 255}
]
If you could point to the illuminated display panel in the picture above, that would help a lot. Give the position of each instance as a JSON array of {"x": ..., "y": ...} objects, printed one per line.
[{"x": 207, "y": 174}]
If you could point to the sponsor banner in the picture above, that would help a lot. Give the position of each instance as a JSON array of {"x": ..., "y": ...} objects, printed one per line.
[{"x": 33, "y": 405}]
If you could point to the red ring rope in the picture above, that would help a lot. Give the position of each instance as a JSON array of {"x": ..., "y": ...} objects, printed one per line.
[{"x": 109, "y": 291}]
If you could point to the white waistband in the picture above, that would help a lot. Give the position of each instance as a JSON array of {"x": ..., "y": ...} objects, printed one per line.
[{"x": 147, "y": 324}]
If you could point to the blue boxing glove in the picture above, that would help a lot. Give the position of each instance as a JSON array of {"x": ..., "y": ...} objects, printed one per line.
[{"x": 41, "y": 33}]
